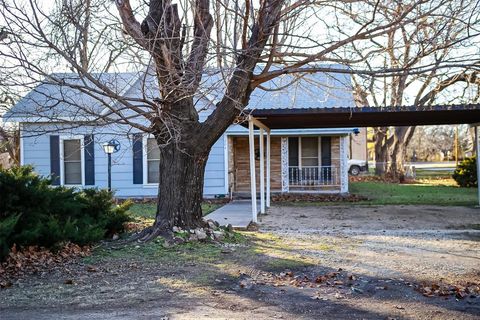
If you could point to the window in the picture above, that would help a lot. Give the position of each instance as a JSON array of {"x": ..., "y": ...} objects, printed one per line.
[
  {"x": 72, "y": 162},
  {"x": 309, "y": 151},
  {"x": 303, "y": 151},
  {"x": 153, "y": 161}
]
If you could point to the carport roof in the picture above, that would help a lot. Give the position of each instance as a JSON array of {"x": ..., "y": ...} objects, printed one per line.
[{"x": 351, "y": 117}]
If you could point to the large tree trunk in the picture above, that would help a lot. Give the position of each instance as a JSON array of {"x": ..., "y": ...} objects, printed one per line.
[
  {"x": 180, "y": 190},
  {"x": 381, "y": 150},
  {"x": 402, "y": 136}
]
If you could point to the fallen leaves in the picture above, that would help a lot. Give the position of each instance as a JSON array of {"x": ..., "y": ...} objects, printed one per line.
[
  {"x": 33, "y": 259},
  {"x": 459, "y": 291},
  {"x": 289, "y": 278},
  {"x": 313, "y": 197},
  {"x": 91, "y": 269}
]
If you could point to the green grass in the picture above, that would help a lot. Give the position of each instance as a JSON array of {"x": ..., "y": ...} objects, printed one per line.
[
  {"x": 154, "y": 250},
  {"x": 426, "y": 174},
  {"x": 147, "y": 210},
  {"x": 188, "y": 252},
  {"x": 428, "y": 192}
]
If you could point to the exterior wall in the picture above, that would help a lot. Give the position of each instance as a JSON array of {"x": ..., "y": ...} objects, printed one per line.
[
  {"x": 36, "y": 152},
  {"x": 241, "y": 164},
  {"x": 233, "y": 156},
  {"x": 358, "y": 145}
]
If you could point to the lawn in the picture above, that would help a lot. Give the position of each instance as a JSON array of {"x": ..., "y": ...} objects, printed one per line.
[
  {"x": 146, "y": 211},
  {"x": 430, "y": 188},
  {"x": 427, "y": 191}
]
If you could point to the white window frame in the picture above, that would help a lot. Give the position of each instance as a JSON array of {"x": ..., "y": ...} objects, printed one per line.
[
  {"x": 145, "y": 162},
  {"x": 62, "y": 158}
]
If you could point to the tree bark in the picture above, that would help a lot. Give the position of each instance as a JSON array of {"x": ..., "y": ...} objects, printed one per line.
[
  {"x": 381, "y": 153},
  {"x": 401, "y": 138},
  {"x": 180, "y": 191}
]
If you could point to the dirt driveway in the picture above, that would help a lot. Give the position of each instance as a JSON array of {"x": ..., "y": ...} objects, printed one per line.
[
  {"x": 422, "y": 243},
  {"x": 339, "y": 262}
]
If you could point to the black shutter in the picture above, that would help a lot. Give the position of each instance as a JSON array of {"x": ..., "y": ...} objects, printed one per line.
[
  {"x": 293, "y": 151},
  {"x": 326, "y": 158},
  {"x": 89, "y": 158},
  {"x": 55, "y": 159},
  {"x": 326, "y": 151},
  {"x": 137, "y": 158}
]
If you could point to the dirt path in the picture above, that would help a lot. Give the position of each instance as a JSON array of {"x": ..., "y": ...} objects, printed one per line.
[{"x": 306, "y": 263}]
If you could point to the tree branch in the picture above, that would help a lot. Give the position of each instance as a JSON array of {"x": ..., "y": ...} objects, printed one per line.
[{"x": 130, "y": 23}]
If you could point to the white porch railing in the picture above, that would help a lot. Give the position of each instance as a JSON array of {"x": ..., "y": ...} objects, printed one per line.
[{"x": 316, "y": 176}]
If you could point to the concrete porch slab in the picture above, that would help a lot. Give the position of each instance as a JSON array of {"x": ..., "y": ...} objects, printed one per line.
[{"x": 238, "y": 213}]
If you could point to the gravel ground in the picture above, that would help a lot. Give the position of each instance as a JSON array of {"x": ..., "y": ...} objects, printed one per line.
[
  {"x": 419, "y": 242},
  {"x": 377, "y": 256}
]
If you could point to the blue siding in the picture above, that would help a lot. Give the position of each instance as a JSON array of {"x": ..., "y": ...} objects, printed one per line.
[{"x": 36, "y": 151}]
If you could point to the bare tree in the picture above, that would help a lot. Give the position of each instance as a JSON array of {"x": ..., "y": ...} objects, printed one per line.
[
  {"x": 433, "y": 39},
  {"x": 177, "y": 43},
  {"x": 434, "y": 142},
  {"x": 9, "y": 138}
]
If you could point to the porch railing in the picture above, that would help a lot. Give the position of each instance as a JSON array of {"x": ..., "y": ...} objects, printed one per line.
[{"x": 316, "y": 176}]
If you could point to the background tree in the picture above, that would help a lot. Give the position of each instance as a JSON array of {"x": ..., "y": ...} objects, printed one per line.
[
  {"x": 434, "y": 39},
  {"x": 437, "y": 143},
  {"x": 176, "y": 43},
  {"x": 9, "y": 138}
]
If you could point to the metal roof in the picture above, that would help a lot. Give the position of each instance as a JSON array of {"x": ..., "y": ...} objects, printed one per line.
[
  {"x": 367, "y": 116},
  {"x": 50, "y": 101}
]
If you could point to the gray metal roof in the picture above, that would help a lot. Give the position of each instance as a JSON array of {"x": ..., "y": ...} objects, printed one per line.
[
  {"x": 53, "y": 102},
  {"x": 317, "y": 90}
]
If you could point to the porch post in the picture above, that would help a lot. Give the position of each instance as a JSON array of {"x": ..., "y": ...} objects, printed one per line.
[
  {"x": 268, "y": 168},
  {"x": 253, "y": 191},
  {"x": 262, "y": 171},
  {"x": 478, "y": 161},
  {"x": 284, "y": 158},
  {"x": 343, "y": 164}
]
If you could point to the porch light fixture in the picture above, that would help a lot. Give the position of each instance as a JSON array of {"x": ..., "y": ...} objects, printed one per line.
[
  {"x": 110, "y": 147},
  {"x": 356, "y": 131}
]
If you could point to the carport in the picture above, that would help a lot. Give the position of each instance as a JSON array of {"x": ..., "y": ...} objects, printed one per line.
[{"x": 341, "y": 117}]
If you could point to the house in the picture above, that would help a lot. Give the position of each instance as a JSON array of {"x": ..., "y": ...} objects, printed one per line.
[{"x": 60, "y": 136}]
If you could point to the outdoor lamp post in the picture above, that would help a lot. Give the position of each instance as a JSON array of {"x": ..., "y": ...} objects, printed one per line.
[{"x": 109, "y": 148}]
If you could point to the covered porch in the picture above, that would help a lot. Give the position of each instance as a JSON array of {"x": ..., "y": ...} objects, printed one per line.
[
  {"x": 286, "y": 161},
  {"x": 267, "y": 119},
  {"x": 300, "y": 161}
]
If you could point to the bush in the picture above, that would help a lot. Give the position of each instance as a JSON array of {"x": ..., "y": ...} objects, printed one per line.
[
  {"x": 466, "y": 173},
  {"x": 32, "y": 212}
]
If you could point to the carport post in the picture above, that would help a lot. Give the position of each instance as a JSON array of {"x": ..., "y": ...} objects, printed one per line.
[
  {"x": 253, "y": 188},
  {"x": 262, "y": 171},
  {"x": 268, "y": 168},
  {"x": 478, "y": 161}
]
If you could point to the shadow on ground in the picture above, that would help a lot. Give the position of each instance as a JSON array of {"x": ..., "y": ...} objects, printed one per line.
[{"x": 258, "y": 275}]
